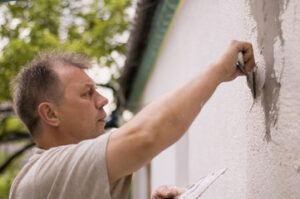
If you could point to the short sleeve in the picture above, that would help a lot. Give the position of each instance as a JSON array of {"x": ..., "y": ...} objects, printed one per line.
[
  {"x": 72, "y": 171},
  {"x": 75, "y": 171}
]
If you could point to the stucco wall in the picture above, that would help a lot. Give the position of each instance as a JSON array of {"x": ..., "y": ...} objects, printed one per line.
[{"x": 257, "y": 140}]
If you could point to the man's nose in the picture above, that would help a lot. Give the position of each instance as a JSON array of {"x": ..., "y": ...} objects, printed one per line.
[{"x": 100, "y": 101}]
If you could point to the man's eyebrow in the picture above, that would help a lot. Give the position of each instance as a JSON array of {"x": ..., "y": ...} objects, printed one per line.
[{"x": 90, "y": 85}]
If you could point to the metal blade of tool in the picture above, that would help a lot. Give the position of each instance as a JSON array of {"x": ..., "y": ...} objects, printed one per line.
[
  {"x": 197, "y": 189},
  {"x": 251, "y": 76}
]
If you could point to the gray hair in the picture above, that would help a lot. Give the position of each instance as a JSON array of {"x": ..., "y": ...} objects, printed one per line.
[{"x": 37, "y": 82}]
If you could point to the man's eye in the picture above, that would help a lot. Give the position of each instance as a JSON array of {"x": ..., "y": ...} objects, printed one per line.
[{"x": 89, "y": 93}]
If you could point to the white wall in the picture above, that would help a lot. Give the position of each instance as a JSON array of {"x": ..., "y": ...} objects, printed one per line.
[{"x": 231, "y": 129}]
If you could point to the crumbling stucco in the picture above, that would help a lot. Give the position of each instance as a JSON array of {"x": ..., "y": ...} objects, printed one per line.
[
  {"x": 267, "y": 16},
  {"x": 230, "y": 130}
]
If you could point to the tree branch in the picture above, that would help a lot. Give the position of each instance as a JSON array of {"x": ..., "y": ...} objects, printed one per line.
[
  {"x": 6, "y": 111},
  {"x": 4, "y": 166},
  {"x": 12, "y": 136}
]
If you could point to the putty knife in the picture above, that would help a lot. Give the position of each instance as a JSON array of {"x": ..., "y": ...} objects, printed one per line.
[
  {"x": 251, "y": 76},
  {"x": 197, "y": 189}
]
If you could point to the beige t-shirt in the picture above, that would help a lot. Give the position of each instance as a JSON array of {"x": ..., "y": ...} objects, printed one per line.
[{"x": 70, "y": 171}]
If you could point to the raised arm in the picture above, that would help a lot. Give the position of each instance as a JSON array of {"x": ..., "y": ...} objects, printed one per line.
[{"x": 166, "y": 119}]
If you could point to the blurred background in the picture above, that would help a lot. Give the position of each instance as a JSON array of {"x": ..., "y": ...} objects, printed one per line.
[
  {"x": 97, "y": 28},
  {"x": 166, "y": 43}
]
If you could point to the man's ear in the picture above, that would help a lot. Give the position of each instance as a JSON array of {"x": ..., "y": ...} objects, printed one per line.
[{"x": 48, "y": 114}]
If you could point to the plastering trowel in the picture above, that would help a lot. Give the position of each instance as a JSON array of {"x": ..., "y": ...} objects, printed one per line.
[
  {"x": 196, "y": 190},
  {"x": 251, "y": 76}
]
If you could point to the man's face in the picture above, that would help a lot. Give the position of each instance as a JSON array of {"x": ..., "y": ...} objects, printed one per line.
[{"x": 81, "y": 112}]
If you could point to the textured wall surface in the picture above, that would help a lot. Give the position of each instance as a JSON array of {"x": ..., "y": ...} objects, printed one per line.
[{"x": 257, "y": 140}]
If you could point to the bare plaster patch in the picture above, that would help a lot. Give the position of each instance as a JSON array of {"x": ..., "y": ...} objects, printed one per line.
[{"x": 267, "y": 14}]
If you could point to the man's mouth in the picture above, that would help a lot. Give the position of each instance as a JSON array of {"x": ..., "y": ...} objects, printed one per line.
[{"x": 102, "y": 120}]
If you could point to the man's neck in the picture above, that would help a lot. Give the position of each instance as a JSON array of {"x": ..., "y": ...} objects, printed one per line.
[{"x": 50, "y": 138}]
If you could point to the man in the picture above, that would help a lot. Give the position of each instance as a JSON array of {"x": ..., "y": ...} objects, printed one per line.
[{"x": 64, "y": 113}]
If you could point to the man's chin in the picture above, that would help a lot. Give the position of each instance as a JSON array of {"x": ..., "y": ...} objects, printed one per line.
[{"x": 99, "y": 132}]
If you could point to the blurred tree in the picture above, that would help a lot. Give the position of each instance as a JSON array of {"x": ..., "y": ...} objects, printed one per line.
[{"x": 95, "y": 27}]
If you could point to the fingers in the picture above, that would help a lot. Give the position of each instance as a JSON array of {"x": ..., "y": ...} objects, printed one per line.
[
  {"x": 249, "y": 59},
  {"x": 250, "y": 64},
  {"x": 241, "y": 46},
  {"x": 248, "y": 54},
  {"x": 226, "y": 64},
  {"x": 166, "y": 191}
]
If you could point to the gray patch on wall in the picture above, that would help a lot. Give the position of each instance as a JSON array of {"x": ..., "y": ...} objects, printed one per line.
[{"x": 267, "y": 13}]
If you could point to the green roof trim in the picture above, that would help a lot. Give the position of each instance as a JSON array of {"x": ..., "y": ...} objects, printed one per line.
[{"x": 161, "y": 22}]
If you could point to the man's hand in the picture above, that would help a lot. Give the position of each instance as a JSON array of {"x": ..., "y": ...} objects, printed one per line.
[
  {"x": 166, "y": 191},
  {"x": 164, "y": 121},
  {"x": 226, "y": 64}
]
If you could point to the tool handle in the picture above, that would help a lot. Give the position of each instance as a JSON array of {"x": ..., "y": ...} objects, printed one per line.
[{"x": 240, "y": 63}]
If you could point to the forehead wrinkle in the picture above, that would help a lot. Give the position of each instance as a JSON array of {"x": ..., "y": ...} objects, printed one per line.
[{"x": 71, "y": 75}]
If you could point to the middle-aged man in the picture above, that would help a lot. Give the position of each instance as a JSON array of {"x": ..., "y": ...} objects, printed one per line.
[{"x": 64, "y": 114}]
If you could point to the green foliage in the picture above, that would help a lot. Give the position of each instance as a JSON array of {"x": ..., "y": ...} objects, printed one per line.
[
  {"x": 11, "y": 126},
  {"x": 34, "y": 26},
  {"x": 29, "y": 27},
  {"x": 7, "y": 178},
  {"x": 14, "y": 124}
]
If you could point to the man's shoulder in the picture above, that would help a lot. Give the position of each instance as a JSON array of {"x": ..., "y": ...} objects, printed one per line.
[
  {"x": 24, "y": 178},
  {"x": 60, "y": 164},
  {"x": 64, "y": 149}
]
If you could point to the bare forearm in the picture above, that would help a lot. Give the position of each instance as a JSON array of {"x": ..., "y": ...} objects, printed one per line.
[
  {"x": 164, "y": 121},
  {"x": 159, "y": 124},
  {"x": 168, "y": 118}
]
